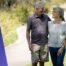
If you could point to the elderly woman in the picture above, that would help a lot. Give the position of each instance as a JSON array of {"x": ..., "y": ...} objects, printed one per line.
[{"x": 57, "y": 33}]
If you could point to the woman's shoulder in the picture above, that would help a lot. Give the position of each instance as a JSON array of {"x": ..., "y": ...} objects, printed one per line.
[
  {"x": 63, "y": 23},
  {"x": 50, "y": 22}
]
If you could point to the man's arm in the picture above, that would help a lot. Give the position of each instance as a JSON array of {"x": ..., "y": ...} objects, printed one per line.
[
  {"x": 49, "y": 18},
  {"x": 28, "y": 37},
  {"x": 48, "y": 25},
  {"x": 28, "y": 31}
]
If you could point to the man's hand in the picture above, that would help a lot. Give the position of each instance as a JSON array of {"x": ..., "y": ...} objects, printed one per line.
[{"x": 30, "y": 47}]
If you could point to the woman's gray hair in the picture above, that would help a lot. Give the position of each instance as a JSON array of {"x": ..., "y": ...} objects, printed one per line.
[{"x": 60, "y": 11}]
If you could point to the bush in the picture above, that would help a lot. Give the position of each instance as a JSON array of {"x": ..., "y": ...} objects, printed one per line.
[
  {"x": 9, "y": 24},
  {"x": 21, "y": 12}
]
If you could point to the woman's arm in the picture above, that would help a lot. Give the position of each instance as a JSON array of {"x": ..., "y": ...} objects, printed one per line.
[
  {"x": 65, "y": 34},
  {"x": 65, "y": 42}
]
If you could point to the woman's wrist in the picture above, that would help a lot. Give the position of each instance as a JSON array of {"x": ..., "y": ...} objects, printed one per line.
[
  {"x": 63, "y": 47},
  {"x": 65, "y": 42}
]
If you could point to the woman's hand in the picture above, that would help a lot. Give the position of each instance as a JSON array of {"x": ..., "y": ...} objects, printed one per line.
[
  {"x": 60, "y": 51},
  {"x": 65, "y": 42}
]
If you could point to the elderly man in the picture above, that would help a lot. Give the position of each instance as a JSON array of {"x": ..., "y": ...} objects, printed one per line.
[{"x": 37, "y": 35}]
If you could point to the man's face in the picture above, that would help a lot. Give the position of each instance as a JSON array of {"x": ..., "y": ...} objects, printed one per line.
[{"x": 40, "y": 11}]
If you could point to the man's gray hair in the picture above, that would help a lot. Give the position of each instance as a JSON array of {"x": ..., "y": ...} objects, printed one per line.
[{"x": 39, "y": 4}]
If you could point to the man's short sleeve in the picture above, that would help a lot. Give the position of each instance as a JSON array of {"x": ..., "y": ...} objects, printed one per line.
[
  {"x": 29, "y": 24},
  {"x": 49, "y": 19}
]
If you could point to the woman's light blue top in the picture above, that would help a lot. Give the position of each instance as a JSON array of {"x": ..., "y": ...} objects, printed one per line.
[{"x": 57, "y": 33}]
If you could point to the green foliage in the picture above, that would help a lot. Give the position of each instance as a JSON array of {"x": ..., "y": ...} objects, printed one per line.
[
  {"x": 21, "y": 12},
  {"x": 9, "y": 23}
]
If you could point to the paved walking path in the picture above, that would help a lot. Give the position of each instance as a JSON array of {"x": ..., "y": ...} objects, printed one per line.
[{"x": 18, "y": 54}]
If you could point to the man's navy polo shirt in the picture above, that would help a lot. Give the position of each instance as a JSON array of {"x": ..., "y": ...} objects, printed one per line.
[{"x": 39, "y": 28}]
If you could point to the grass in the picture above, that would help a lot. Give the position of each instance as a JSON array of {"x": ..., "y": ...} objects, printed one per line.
[{"x": 50, "y": 63}]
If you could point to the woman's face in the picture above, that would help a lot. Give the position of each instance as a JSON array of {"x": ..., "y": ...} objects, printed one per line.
[{"x": 55, "y": 14}]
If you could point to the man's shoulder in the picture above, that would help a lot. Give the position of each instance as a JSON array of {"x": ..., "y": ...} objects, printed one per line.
[
  {"x": 31, "y": 16},
  {"x": 47, "y": 17}
]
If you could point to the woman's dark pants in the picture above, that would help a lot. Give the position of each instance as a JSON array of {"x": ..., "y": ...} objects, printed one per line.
[{"x": 56, "y": 60}]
